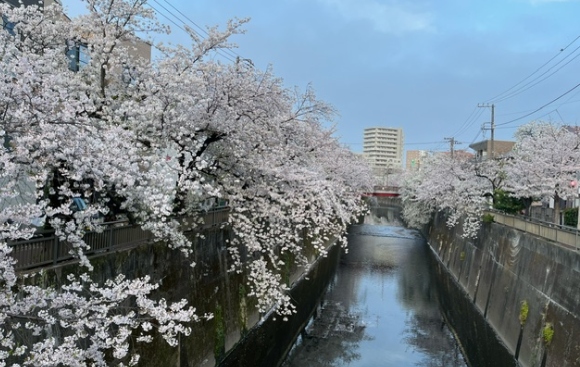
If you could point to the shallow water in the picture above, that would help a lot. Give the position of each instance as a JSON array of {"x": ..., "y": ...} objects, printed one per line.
[{"x": 380, "y": 309}]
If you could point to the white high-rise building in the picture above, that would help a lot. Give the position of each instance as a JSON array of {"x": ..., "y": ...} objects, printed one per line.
[{"x": 383, "y": 148}]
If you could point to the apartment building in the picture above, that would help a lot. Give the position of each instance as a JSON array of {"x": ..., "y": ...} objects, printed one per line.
[
  {"x": 27, "y": 2},
  {"x": 383, "y": 148}
]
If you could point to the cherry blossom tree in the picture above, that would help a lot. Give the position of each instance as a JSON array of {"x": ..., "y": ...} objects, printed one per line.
[
  {"x": 101, "y": 133},
  {"x": 543, "y": 165},
  {"x": 460, "y": 186},
  {"x": 545, "y": 160},
  {"x": 275, "y": 184},
  {"x": 62, "y": 140},
  {"x": 416, "y": 212}
]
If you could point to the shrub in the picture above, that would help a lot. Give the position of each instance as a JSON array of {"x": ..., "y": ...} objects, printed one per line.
[
  {"x": 571, "y": 217},
  {"x": 488, "y": 218},
  {"x": 506, "y": 203}
]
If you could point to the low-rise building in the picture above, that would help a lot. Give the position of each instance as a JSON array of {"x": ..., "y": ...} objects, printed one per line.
[
  {"x": 488, "y": 148},
  {"x": 414, "y": 159}
]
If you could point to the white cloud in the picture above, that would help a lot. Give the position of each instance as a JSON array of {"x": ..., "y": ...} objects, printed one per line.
[{"x": 385, "y": 16}]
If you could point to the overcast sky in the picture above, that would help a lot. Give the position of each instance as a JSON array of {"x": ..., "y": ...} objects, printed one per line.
[{"x": 423, "y": 65}]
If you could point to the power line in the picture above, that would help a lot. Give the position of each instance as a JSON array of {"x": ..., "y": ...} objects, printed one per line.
[
  {"x": 569, "y": 99},
  {"x": 469, "y": 121},
  {"x": 185, "y": 16},
  {"x": 195, "y": 25},
  {"x": 538, "y": 117},
  {"x": 501, "y": 95},
  {"x": 540, "y": 108},
  {"x": 425, "y": 143},
  {"x": 476, "y": 136},
  {"x": 222, "y": 52},
  {"x": 466, "y": 123},
  {"x": 473, "y": 117},
  {"x": 513, "y": 113},
  {"x": 561, "y": 118},
  {"x": 535, "y": 82},
  {"x": 166, "y": 17}
]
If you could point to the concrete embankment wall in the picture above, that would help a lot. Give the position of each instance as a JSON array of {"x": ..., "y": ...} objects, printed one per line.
[
  {"x": 267, "y": 343},
  {"x": 236, "y": 336},
  {"x": 490, "y": 278}
]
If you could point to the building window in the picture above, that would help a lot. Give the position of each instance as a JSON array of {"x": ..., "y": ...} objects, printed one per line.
[
  {"x": 78, "y": 54},
  {"x": 7, "y": 25},
  {"x": 7, "y": 142},
  {"x": 129, "y": 74}
]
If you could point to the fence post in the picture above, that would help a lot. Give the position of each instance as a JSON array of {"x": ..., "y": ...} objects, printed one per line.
[
  {"x": 56, "y": 249},
  {"x": 110, "y": 229}
]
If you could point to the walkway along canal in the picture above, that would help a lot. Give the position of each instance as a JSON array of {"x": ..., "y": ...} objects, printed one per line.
[{"x": 382, "y": 307}]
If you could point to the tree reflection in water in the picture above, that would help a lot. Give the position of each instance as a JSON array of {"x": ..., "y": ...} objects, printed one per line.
[
  {"x": 331, "y": 340},
  {"x": 430, "y": 336},
  {"x": 425, "y": 329},
  {"x": 381, "y": 309}
]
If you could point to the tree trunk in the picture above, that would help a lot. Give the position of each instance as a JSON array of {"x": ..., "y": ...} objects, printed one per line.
[
  {"x": 528, "y": 206},
  {"x": 180, "y": 194}
]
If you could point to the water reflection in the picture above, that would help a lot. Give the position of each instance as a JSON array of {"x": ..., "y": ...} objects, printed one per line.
[{"x": 381, "y": 308}]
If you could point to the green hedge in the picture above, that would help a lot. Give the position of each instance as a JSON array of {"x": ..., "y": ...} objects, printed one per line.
[{"x": 571, "y": 217}]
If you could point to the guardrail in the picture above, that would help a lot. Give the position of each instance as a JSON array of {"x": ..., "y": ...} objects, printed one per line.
[
  {"x": 564, "y": 235},
  {"x": 48, "y": 249}
]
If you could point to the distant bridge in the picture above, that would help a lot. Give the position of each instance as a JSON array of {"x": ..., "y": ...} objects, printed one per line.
[{"x": 384, "y": 191}]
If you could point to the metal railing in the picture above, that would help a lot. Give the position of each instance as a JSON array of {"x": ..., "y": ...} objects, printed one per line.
[
  {"x": 564, "y": 235},
  {"x": 47, "y": 249}
]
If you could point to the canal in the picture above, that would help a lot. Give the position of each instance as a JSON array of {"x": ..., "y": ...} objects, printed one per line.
[{"x": 381, "y": 308}]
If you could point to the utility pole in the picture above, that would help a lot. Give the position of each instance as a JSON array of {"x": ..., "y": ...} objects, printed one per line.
[
  {"x": 452, "y": 143},
  {"x": 492, "y": 128}
]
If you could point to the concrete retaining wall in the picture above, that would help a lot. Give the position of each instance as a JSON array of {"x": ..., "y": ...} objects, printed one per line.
[
  {"x": 269, "y": 342},
  {"x": 497, "y": 273}
]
